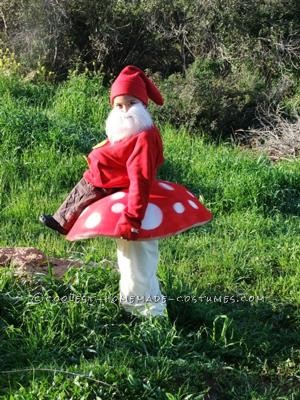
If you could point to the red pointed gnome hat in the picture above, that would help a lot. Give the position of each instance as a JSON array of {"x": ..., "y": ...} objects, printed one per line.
[{"x": 132, "y": 81}]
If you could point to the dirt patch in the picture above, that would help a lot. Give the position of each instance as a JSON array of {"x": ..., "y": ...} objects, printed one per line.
[{"x": 29, "y": 260}]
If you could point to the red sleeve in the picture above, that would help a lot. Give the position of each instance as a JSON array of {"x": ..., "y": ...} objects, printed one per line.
[{"x": 141, "y": 167}]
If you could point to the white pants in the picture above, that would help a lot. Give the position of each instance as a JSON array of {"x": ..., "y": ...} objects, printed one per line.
[{"x": 139, "y": 287}]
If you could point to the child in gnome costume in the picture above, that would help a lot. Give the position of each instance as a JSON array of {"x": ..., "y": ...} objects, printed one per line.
[{"x": 128, "y": 159}]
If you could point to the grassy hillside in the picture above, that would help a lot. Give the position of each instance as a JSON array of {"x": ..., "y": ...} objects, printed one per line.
[{"x": 232, "y": 286}]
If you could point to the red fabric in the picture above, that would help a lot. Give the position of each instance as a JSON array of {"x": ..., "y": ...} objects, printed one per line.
[
  {"x": 171, "y": 209},
  {"x": 133, "y": 81},
  {"x": 126, "y": 231},
  {"x": 129, "y": 163}
]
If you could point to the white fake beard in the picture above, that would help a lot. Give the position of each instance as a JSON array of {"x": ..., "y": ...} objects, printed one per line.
[{"x": 120, "y": 125}]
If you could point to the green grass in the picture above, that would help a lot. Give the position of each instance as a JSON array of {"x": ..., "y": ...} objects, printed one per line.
[{"x": 232, "y": 286}]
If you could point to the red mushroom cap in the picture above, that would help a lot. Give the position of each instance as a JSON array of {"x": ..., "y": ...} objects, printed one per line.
[{"x": 171, "y": 209}]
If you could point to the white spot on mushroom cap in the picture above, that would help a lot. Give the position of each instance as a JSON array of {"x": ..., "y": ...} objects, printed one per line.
[
  {"x": 118, "y": 195},
  {"x": 93, "y": 220},
  {"x": 193, "y": 204},
  {"x": 153, "y": 217},
  {"x": 178, "y": 207},
  {"x": 190, "y": 193},
  {"x": 117, "y": 208},
  {"x": 165, "y": 186}
]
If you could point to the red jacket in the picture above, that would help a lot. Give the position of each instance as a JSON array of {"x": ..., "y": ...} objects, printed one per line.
[{"x": 129, "y": 163}]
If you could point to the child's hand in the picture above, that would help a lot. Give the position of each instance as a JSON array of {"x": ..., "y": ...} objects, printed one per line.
[{"x": 127, "y": 229}]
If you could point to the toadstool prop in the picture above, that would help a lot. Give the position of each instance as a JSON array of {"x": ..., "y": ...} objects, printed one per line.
[{"x": 171, "y": 209}]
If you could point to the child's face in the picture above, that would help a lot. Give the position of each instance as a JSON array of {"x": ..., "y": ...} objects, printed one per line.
[{"x": 124, "y": 102}]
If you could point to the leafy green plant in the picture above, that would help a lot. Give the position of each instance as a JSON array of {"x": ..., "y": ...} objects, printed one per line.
[{"x": 211, "y": 97}]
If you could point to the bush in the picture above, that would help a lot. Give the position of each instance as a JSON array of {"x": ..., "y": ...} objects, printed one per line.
[
  {"x": 211, "y": 96},
  {"x": 163, "y": 36},
  {"x": 217, "y": 62},
  {"x": 291, "y": 103}
]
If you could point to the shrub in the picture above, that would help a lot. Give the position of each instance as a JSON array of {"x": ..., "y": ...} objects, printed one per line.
[
  {"x": 291, "y": 103},
  {"x": 164, "y": 36},
  {"x": 211, "y": 96},
  {"x": 217, "y": 62}
]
